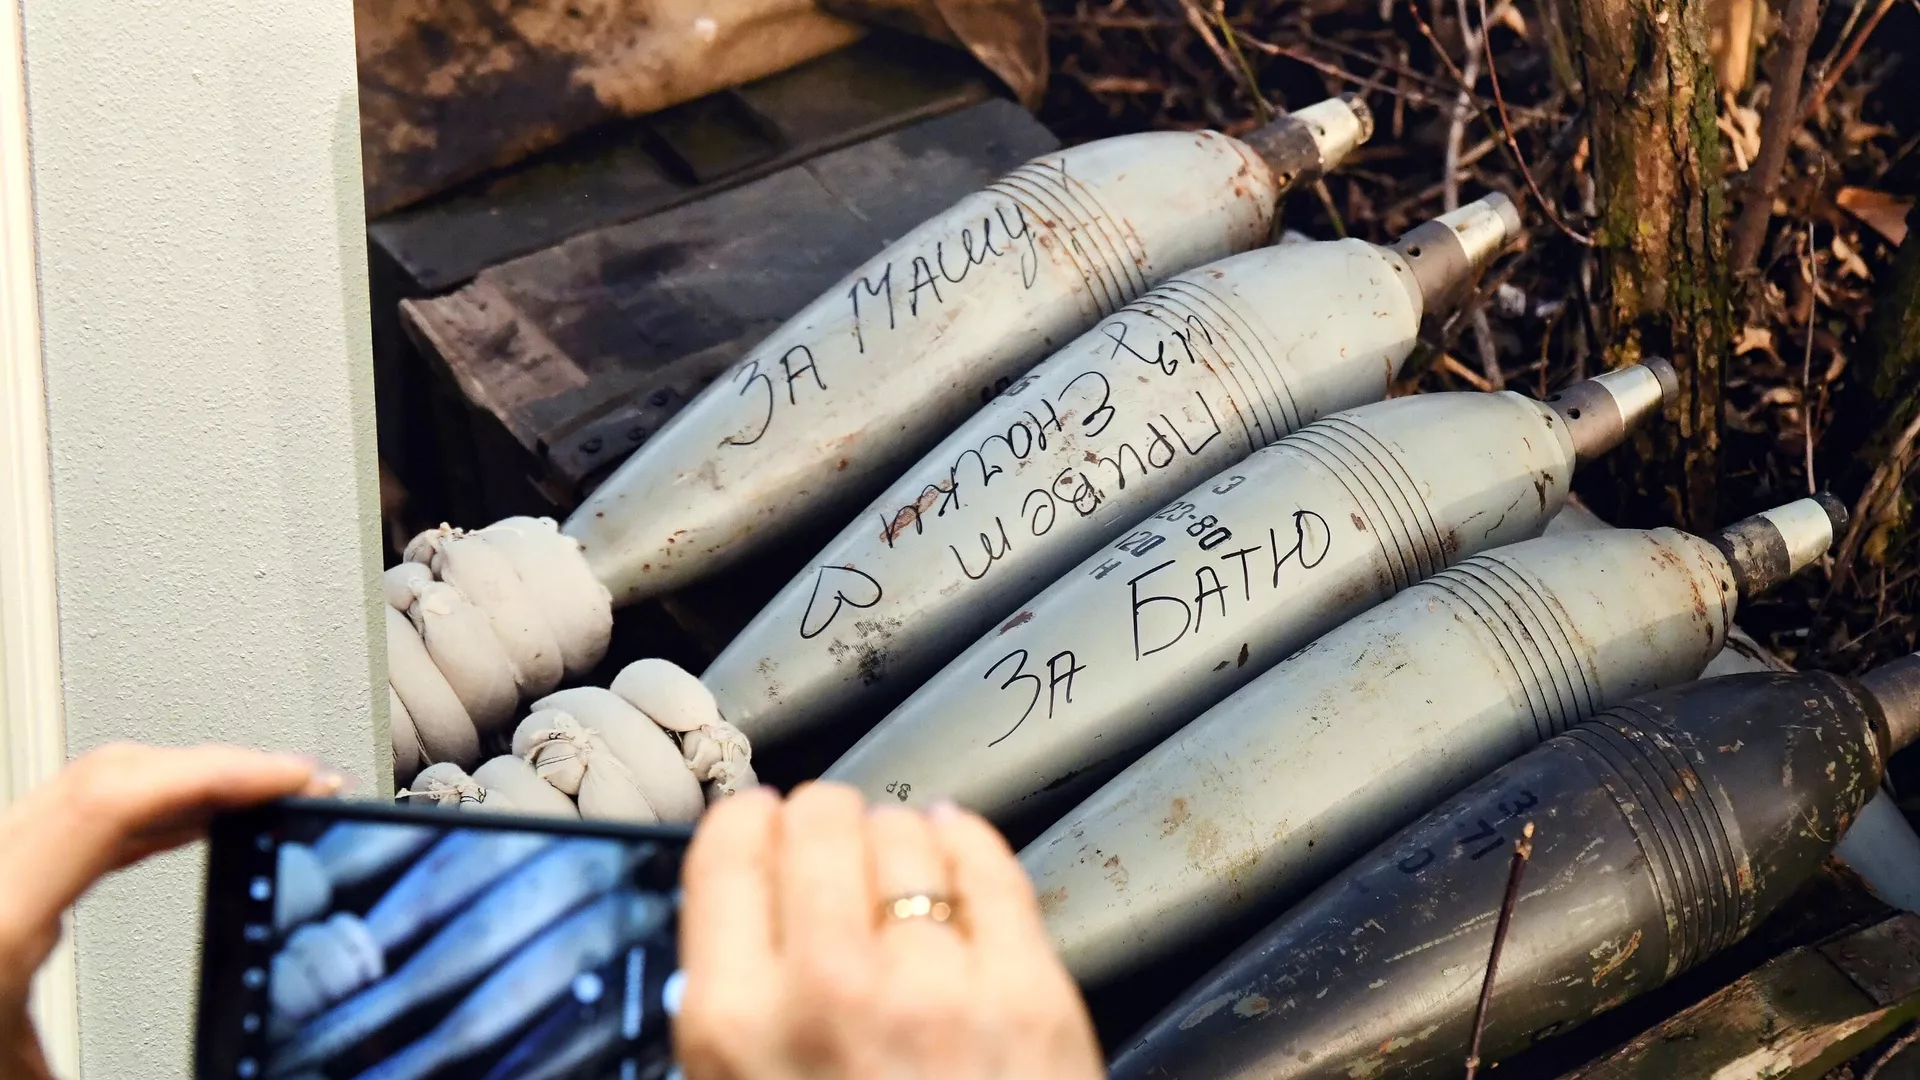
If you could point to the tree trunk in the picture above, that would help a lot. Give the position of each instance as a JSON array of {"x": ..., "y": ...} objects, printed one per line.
[
  {"x": 1884, "y": 388},
  {"x": 1646, "y": 74}
]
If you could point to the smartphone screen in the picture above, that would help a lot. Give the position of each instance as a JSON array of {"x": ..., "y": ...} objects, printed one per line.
[{"x": 405, "y": 943}]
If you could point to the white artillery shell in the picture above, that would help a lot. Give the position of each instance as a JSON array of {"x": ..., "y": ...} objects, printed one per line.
[
  {"x": 513, "y": 912},
  {"x": 1324, "y": 755},
  {"x": 322, "y": 963},
  {"x": 302, "y": 889},
  {"x": 865, "y": 378},
  {"x": 533, "y": 979},
  {"x": 1880, "y": 845},
  {"x": 446, "y": 880},
  {"x": 1202, "y": 371},
  {"x": 1214, "y": 589},
  {"x": 355, "y": 851}
]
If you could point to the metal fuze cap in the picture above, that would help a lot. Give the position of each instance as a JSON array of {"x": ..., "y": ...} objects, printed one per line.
[
  {"x": 1447, "y": 254},
  {"x": 1306, "y": 144}
]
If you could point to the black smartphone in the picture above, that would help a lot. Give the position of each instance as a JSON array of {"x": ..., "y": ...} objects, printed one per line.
[{"x": 376, "y": 942}]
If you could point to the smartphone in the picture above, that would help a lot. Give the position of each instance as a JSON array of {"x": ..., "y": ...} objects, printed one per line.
[{"x": 376, "y": 942}]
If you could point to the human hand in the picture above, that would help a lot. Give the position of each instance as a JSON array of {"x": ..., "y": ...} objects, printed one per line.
[
  {"x": 106, "y": 810},
  {"x": 792, "y": 972}
]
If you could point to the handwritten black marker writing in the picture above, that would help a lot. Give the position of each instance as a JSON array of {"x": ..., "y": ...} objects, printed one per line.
[
  {"x": 1186, "y": 613},
  {"x": 986, "y": 545},
  {"x": 1116, "y": 332},
  {"x": 926, "y": 270},
  {"x": 1061, "y": 668},
  {"x": 1160, "y": 448},
  {"x": 1041, "y": 510},
  {"x": 1083, "y": 407},
  {"x": 849, "y": 588},
  {"x": 883, "y": 287},
  {"x": 1206, "y": 583},
  {"x": 1309, "y": 547},
  {"x": 1031, "y": 431},
  {"x": 790, "y": 371},
  {"x": 1041, "y": 505}
]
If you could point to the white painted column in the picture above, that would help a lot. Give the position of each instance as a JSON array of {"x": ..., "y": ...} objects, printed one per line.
[
  {"x": 32, "y": 733},
  {"x": 208, "y": 382}
]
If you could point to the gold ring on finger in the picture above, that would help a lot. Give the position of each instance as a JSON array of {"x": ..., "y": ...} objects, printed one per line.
[{"x": 917, "y": 906}]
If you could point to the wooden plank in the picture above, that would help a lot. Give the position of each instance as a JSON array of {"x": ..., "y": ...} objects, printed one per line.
[
  {"x": 1833, "y": 904},
  {"x": 1795, "y": 1018},
  {"x": 452, "y": 88},
  {"x": 581, "y": 351},
  {"x": 614, "y": 174},
  {"x": 628, "y": 171}
]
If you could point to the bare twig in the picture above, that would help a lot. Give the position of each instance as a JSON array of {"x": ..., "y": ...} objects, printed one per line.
[
  {"x": 1527, "y": 115},
  {"x": 1450, "y": 187},
  {"x": 1457, "y": 125},
  {"x": 1806, "y": 365},
  {"x": 1450, "y": 179},
  {"x": 1467, "y": 157},
  {"x": 1840, "y": 42},
  {"x": 1437, "y": 188},
  {"x": 1776, "y": 133},
  {"x": 1483, "y": 343},
  {"x": 1490, "y": 283},
  {"x": 1252, "y": 85},
  {"x": 1811, "y": 103},
  {"x": 1522, "y": 851},
  {"x": 1513, "y": 144},
  {"x": 1335, "y": 70},
  {"x": 1903, "y": 1042},
  {"x": 1103, "y": 20},
  {"x": 1460, "y": 77},
  {"x": 1890, "y": 473},
  {"x": 1472, "y": 377},
  {"x": 1329, "y": 44},
  {"x": 1197, "y": 19}
]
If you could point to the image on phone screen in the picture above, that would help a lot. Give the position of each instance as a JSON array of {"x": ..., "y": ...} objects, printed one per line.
[{"x": 436, "y": 946}]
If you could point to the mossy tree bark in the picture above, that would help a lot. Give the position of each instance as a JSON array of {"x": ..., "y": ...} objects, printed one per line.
[
  {"x": 1870, "y": 441},
  {"x": 1883, "y": 390},
  {"x": 1646, "y": 75}
]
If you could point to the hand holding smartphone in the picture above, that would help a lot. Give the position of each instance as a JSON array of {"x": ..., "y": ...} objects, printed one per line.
[{"x": 408, "y": 943}]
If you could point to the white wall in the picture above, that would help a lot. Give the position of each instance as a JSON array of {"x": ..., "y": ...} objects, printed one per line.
[{"x": 209, "y": 387}]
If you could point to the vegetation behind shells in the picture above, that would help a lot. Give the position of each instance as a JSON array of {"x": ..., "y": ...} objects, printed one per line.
[{"x": 1813, "y": 395}]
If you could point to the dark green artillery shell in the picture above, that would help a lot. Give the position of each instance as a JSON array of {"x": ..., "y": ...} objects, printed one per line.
[{"x": 1664, "y": 830}]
